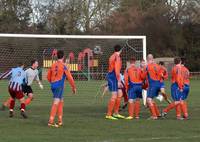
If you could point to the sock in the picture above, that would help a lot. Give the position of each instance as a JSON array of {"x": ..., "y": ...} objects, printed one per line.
[
  {"x": 152, "y": 109},
  {"x": 111, "y": 105},
  {"x": 7, "y": 102},
  {"x": 28, "y": 101},
  {"x": 125, "y": 98},
  {"x": 117, "y": 105},
  {"x": 178, "y": 110},
  {"x": 137, "y": 108},
  {"x": 169, "y": 107},
  {"x": 12, "y": 104},
  {"x": 53, "y": 113},
  {"x": 60, "y": 111},
  {"x": 184, "y": 109},
  {"x": 156, "y": 109},
  {"x": 23, "y": 106},
  {"x": 131, "y": 109}
]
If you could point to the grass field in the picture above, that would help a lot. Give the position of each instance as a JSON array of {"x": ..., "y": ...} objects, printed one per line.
[{"x": 84, "y": 120}]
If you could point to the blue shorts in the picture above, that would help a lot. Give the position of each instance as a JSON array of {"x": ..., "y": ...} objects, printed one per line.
[
  {"x": 135, "y": 91},
  {"x": 112, "y": 82},
  {"x": 57, "y": 92},
  {"x": 186, "y": 91},
  {"x": 162, "y": 85},
  {"x": 153, "y": 91},
  {"x": 176, "y": 94}
]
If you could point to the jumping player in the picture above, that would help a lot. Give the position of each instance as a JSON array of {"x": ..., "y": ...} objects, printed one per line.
[
  {"x": 15, "y": 88},
  {"x": 56, "y": 76},
  {"x": 113, "y": 78}
]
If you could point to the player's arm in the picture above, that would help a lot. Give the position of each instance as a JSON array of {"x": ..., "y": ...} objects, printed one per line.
[
  {"x": 71, "y": 80},
  {"x": 179, "y": 79},
  {"x": 6, "y": 74},
  {"x": 49, "y": 74},
  {"x": 39, "y": 82},
  {"x": 118, "y": 68},
  {"x": 126, "y": 79}
]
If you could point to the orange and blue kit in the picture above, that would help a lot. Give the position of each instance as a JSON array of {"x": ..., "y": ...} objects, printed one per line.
[
  {"x": 56, "y": 76},
  {"x": 133, "y": 81},
  {"x": 113, "y": 75}
]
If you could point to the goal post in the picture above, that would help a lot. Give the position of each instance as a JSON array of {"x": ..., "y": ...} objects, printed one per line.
[{"x": 86, "y": 55}]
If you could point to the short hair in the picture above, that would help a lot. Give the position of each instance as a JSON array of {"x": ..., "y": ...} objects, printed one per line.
[
  {"x": 117, "y": 48},
  {"x": 161, "y": 63},
  {"x": 183, "y": 60},
  {"x": 60, "y": 54},
  {"x": 177, "y": 60},
  {"x": 132, "y": 59},
  {"x": 33, "y": 61}
]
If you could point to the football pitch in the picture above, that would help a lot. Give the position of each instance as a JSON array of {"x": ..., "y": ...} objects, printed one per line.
[{"x": 84, "y": 119}]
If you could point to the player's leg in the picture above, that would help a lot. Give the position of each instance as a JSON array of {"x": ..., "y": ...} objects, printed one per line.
[
  {"x": 60, "y": 112},
  {"x": 131, "y": 102},
  {"x": 6, "y": 104},
  {"x": 23, "y": 107},
  {"x": 117, "y": 104},
  {"x": 125, "y": 96},
  {"x": 53, "y": 112},
  {"x": 183, "y": 103},
  {"x": 162, "y": 90},
  {"x": 12, "y": 102},
  {"x": 151, "y": 93},
  {"x": 137, "y": 108},
  {"x": 29, "y": 91},
  {"x": 113, "y": 88}
]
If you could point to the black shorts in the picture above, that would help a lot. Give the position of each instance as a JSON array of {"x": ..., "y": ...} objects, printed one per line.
[{"x": 27, "y": 89}]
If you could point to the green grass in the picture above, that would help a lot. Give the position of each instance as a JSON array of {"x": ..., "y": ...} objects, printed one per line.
[{"x": 84, "y": 120}]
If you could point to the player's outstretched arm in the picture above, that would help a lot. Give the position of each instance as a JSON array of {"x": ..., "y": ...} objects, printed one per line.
[{"x": 6, "y": 74}]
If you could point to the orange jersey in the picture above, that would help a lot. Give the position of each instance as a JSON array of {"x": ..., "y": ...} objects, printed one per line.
[
  {"x": 134, "y": 75},
  {"x": 58, "y": 73},
  {"x": 177, "y": 76},
  {"x": 164, "y": 74},
  {"x": 153, "y": 72},
  {"x": 186, "y": 75},
  {"x": 115, "y": 65}
]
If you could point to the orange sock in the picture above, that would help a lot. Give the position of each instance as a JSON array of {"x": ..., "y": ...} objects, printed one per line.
[
  {"x": 137, "y": 108},
  {"x": 169, "y": 107},
  {"x": 53, "y": 113},
  {"x": 117, "y": 105},
  {"x": 131, "y": 109},
  {"x": 156, "y": 109},
  {"x": 178, "y": 110},
  {"x": 60, "y": 111},
  {"x": 111, "y": 105},
  {"x": 152, "y": 109},
  {"x": 28, "y": 101},
  {"x": 184, "y": 109},
  {"x": 7, "y": 102}
]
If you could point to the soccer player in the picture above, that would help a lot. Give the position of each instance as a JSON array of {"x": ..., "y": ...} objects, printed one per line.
[
  {"x": 186, "y": 90},
  {"x": 176, "y": 89},
  {"x": 164, "y": 76},
  {"x": 134, "y": 77},
  {"x": 56, "y": 76},
  {"x": 31, "y": 75},
  {"x": 15, "y": 88},
  {"x": 153, "y": 74},
  {"x": 113, "y": 78}
]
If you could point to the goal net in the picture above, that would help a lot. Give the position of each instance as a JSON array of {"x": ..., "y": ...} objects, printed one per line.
[{"x": 86, "y": 56}]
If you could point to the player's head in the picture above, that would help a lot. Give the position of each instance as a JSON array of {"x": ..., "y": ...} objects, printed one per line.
[
  {"x": 183, "y": 60},
  {"x": 161, "y": 63},
  {"x": 60, "y": 54},
  {"x": 132, "y": 60},
  {"x": 34, "y": 64},
  {"x": 20, "y": 64},
  {"x": 177, "y": 60},
  {"x": 142, "y": 63},
  {"x": 150, "y": 58},
  {"x": 117, "y": 48}
]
